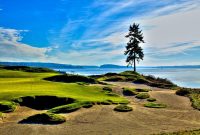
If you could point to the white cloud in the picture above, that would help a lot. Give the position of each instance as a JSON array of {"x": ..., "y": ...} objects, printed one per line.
[{"x": 11, "y": 49}]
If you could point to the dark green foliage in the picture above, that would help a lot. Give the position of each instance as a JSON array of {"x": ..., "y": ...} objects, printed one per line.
[
  {"x": 28, "y": 69},
  {"x": 6, "y": 106},
  {"x": 44, "y": 118},
  {"x": 115, "y": 78},
  {"x": 142, "y": 95},
  {"x": 107, "y": 89},
  {"x": 155, "y": 105},
  {"x": 43, "y": 102},
  {"x": 69, "y": 78},
  {"x": 142, "y": 90},
  {"x": 151, "y": 99},
  {"x": 123, "y": 108},
  {"x": 183, "y": 92},
  {"x": 141, "y": 81},
  {"x": 87, "y": 104},
  {"x": 129, "y": 92},
  {"x": 133, "y": 50},
  {"x": 106, "y": 102}
]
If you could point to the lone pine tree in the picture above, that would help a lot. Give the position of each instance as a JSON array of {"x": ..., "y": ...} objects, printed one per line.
[{"x": 133, "y": 50}]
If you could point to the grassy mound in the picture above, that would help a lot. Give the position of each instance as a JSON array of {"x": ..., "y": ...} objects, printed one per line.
[
  {"x": 123, "y": 108},
  {"x": 69, "y": 78},
  {"x": 155, "y": 105},
  {"x": 43, "y": 102},
  {"x": 129, "y": 92},
  {"x": 28, "y": 69},
  {"x": 151, "y": 99},
  {"x": 142, "y": 90},
  {"x": 44, "y": 118},
  {"x": 70, "y": 107},
  {"x": 6, "y": 106},
  {"x": 142, "y": 95},
  {"x": 135, "y": 77}
]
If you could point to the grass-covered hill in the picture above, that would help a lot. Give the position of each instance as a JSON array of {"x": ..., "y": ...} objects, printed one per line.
[
  {"x": 131, "y": 76},
  {"x": 27, "y": 85}
]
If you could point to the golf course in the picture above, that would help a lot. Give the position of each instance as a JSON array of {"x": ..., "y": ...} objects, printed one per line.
[{"x": 37, "y": 100}]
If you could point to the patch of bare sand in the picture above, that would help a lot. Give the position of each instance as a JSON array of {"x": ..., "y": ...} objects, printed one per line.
[{"x": 102, "y": 120}]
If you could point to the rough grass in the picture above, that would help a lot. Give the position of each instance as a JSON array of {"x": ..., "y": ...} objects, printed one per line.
[
  {"x": 187, "y": 132},
  {"x": 142, "y": 95},
  {"x": 15, "y": 84},
  {"x": 142, "y": 90},
  {"x": 107, "y": 89},
  {"x": 6, "y": 106},
  {"x": 44, "y": 118},
  {"x": 155, "y": 105},
  {"x": 129, "y": 92},
  {"x": 70, "y": 107},
  {"x": 123, "y": 108},
  {"x": 135, "y": 77},
  {"x": 151, "y": 99},
  {"x": 195, "y": 99}
]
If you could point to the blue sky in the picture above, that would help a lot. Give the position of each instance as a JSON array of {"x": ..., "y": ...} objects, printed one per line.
[{"x": 91, "y": 32}]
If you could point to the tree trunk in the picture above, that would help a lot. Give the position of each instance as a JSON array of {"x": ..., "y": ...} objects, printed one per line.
[
  {"x": 134, "y": 66},
  {"x": 134, "y": 63}
]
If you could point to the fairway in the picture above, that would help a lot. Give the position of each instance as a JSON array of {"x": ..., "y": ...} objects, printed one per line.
[{"x": 15, "y": 84}]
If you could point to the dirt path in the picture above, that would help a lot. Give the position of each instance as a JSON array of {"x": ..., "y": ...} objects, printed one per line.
[{"x": 102, "y": 120}]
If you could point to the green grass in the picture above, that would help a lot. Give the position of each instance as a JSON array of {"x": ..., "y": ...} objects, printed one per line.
[
  {"x": 154, "y": 105},
  {"x": 6, "y": 106},
  {"x": 142, "y": 95},
  {"x": 16, "y": 84},
  {"x": 1, "y": 115},
  {"x": 142, "y": 90},
  {"x": 44, "y": 118},
  {"x": 123, "y": 108},
  {"x": 108, "y": 89},
  {"x": 191, "y": 132}
]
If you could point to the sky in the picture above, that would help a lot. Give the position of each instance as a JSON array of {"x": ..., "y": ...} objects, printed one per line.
[{"x": 92, "y": 32}]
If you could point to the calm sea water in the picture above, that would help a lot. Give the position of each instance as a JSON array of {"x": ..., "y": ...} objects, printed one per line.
[{"x": 185, "y": 77}]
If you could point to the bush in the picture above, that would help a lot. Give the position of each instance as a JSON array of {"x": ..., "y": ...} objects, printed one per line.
[
  {"x": 140, "y": 81},
  {"x": 6, "y": 106},
  {"x": 123, "y": 108},
  {"x": 44, "y": 118},
  {"x": 142, "y": 90},
  {"x": 142, "y": 95},
  {"x": 183, "y": 92},
  {"x": 107, "y": 89},
  {"x": 129, "y": 92},
  {"x": 195, "y": 99},
  {"x": 155, "y": 105},
  {"x": 151, "y": 99},
  {"x": 69, "y": 78},
  {"x": 106, "y": 102}
]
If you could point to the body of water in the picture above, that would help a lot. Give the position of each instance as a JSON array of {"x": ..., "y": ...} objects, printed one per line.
[{"x": 185, "y": 77}]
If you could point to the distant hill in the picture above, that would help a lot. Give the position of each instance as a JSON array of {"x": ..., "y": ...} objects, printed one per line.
[{"x": 112, "y": 66}]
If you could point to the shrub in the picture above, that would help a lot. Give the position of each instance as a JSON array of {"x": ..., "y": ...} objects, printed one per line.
[
  {"x": 44, "y": 118},
  {"x": 142, "y": 95},
  {"x": 6, "y": 106},
  {"x": 106, "y": 102},
  {"x": 195, "y": 99},
  {"x": 155, "y": 105},
  {"x": 107, "y": 89},
  {"x": 87, "y": 104},
  {"x": 129, "y": 92},
  {"x": 142, "y": 90},
  {"x": 183, "y": 92},
  {"x": 151, "y": 99},
  {"x": 123, "y": 108},
  {"x": 140, "y": 81}
]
